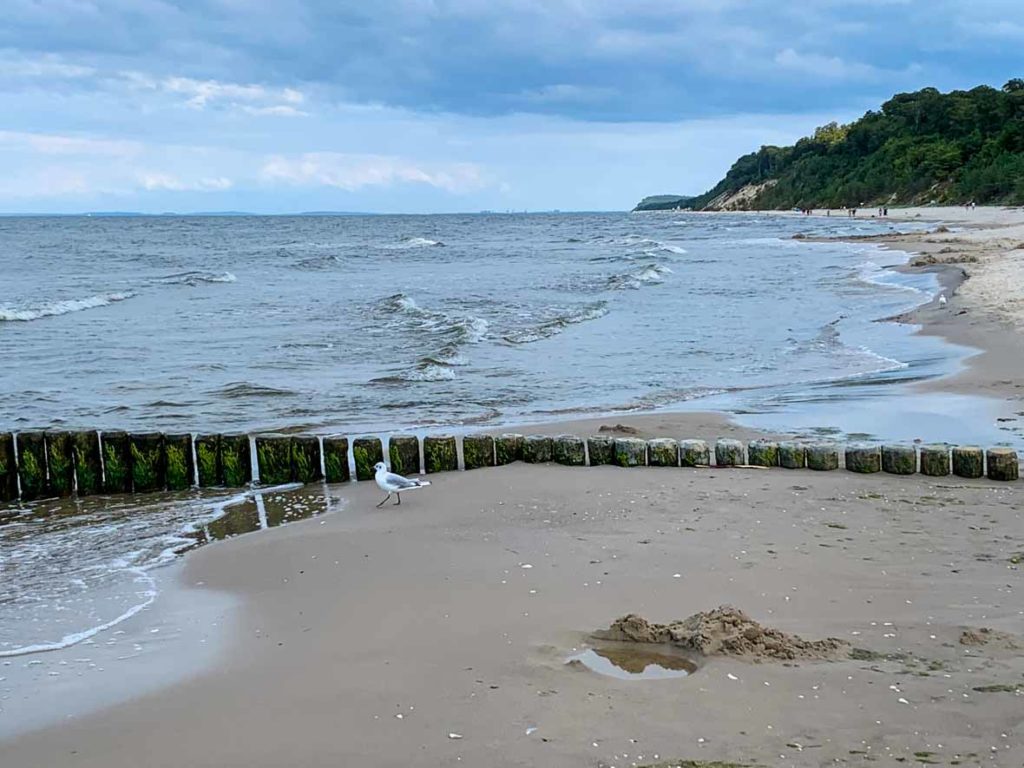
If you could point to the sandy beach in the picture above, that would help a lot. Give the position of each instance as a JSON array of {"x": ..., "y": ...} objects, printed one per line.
[{"x": 440, "y": 633}]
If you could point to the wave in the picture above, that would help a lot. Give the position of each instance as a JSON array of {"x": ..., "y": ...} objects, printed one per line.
[
  {"x": 244, "y": 389},
  {"x": 56, "y": 308},
  {"x": 651, "y": 274},
  {"x": 876, "y": 275},
  {"x": 557, "y": 324},
  {"x": 423, "y": 372},
  {"x": 650, "y": 245},
  {"x": 414, "y": 242},
  {"x": 197, "y": 278},
  {"x": 455, "y": 328}
]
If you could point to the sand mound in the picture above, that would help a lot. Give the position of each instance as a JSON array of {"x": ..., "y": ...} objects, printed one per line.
[
  {"x": 986, "y": 636},
  {"x": 725, "y": 631}
]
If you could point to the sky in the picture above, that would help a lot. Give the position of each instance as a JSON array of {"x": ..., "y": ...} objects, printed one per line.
[{"x": 421, "y": 106}]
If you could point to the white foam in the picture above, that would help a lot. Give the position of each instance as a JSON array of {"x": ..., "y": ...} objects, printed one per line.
[{"x": 55, "y": 308}]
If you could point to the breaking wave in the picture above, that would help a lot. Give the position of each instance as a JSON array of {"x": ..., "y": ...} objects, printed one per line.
[
  {"x": 414, "y": 242},
  {"x": 557, "y": 324},
  {"x": 197, "y": 278},
  {"x": 54, "y": 308},
  {"x": 651, "y": 274}
]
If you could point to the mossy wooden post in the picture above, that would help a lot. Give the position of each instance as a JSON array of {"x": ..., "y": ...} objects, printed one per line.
[
  {"x": 694, "y": 453},
  {"x": 899, "y": 459},
  {"x": 601, "y": 449},
  {"x": 968, "y": 461},
  {"x": 274, "y": 459},
  {"x": 537, "y": 449},
  {"x": 935, "y": 460},
  {"x": 208, "y": 462},
  {"x": 336, "y": 459},
  {"x": 306, "y": 459},
  {"x": 235, "y": 460},
  {"x": 180, "y": 469},
  {"x": 117, "y": 462},
  {"x": 663, "y": 452},
  {"x": 630, "y": 452},
  {"x": 569, "y": 450},
  {"x": 863, "y": 458},
  {"x": 729, "y": 453},
  {"x": 508, "y": 448},
  {"x": 149, "y": 466},
  {"x": 88, "y": 464},
  {"x": 822, "y": 457},
  {"x": 1002, "y": 464},
  {"x": 477, "y": 451},
  {"x": 60, "y": 464},
  {"x": 763, "y": 453},
  {"x": 8, "y": 468},
  {"x": 32, "y": 465},
  {"x": 367, "y": 451},
  {"x": 792, "y": 455},
  {"x": 440, "y": 454},
  {"x": 404, "y": 453}
]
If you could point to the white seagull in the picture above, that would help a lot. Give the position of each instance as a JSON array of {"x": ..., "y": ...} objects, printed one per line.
[
  {"x": 390, "y": 483},
  {"x": 942, "y": 298}
]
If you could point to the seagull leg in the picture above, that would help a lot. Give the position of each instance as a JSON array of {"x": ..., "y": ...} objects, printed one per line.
[
  {"x": 399, "y": 502},
  {"x": 382, "y": 502}
]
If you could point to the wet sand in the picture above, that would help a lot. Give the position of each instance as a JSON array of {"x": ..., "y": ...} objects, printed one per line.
[{"x": 437, "y": 633}]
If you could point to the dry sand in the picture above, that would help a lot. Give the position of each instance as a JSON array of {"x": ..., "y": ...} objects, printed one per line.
[{"x": 437, "y": 633}]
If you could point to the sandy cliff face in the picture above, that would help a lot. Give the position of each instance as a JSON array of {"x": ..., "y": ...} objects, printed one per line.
[{"x": 743, "y": 199}]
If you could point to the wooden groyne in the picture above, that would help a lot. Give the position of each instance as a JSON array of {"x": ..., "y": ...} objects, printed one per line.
[{"x": 53, "y": 464}]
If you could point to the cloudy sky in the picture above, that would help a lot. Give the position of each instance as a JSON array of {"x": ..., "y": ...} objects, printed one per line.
[{"x": 447, "y": 105}]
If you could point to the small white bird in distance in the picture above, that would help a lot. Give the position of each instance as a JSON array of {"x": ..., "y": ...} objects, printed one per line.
[
  {"x": 391, "y": 483},
  {"x": 942, "y": 298}
]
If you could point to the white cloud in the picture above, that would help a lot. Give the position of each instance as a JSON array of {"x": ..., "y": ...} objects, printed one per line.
[
  {"x": 55, "y": 144},
  {"x": 830, "y": 67},
  {"x": 351, "y": 171},
  {"x": 151, "y": 181},
  {"x": 277, "y": 110},
  {"x": 14, "y": 64}
]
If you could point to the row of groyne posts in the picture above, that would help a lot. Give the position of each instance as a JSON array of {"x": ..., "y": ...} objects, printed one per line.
[{"x": 52, "y": 464}]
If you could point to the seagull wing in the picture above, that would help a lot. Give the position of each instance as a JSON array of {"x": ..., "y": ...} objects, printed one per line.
[{"x": 399, "y": 482}]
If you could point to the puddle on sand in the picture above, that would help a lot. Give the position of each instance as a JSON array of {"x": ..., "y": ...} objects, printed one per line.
[{"x": 634, "y": 661}]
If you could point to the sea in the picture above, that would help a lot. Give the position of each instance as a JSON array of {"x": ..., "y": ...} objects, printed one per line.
[{"x": 375, "y": 324}]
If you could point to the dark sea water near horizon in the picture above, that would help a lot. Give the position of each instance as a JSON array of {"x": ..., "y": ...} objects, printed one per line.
[{"x": 383, "y": 323}]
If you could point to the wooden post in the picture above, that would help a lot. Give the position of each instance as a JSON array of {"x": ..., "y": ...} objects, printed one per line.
[
  {"x": 336, "y": 459},
  {"x": 935, "y": 460},
  {"x": 601, "y": 449},
  {"x": 630, "y": 452},
  {"x": 404, "y": 452},
  {"x": 968, "y": 461},
  {"x": 208, "y": 461},
  {"x": 117, "y": 462},
  {"x": 88, "y": 464},
  {"x": 1002, "y": 464},
  {"x": 763, "y": 453},
  {"x": 569, "y": 450},
  {"x": 822, "y": 457},
  {"x": 477, "y": 451},
  {"x": 508, "y": 448},
  {"x": 899, "y": 459},
  {"x": 663, "y": 452},
  {"x": 537, "y": 449},
  {"x": 792, "y": 455},
  {"x": 180, "y": 468},
  {"x": 367, "y": 451},
  {"x": 306, "y": 459},
  {"x": 863, "y": 458},
  {"x": 32, "y": 465},
  {"x": 440, "y": 454},
  {"x": 274, "y": 459},
  {"x": 729, "y": 453},
  {"x": 8, "y": 468},
  {"x": 149, "y": 464},
  {"x": 60, "y": 463},
  {"x": 694, "y": 453},
  {"x": 235, "y": 460}
]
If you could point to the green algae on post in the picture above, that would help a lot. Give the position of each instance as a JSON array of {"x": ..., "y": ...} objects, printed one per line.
[
  {"x": 822, "y": 457},
  {"x": 208, "y": 464},
  {"x": 235, "y": 460},
  {"x": 863, "y": 458},
  {"x": 88, "y": 464},
  {"x": 899, "y": 459},
  {"x": 601, "y": 449},
  {"x": 60, "y": 463},
  {"x": 8, "y": 468},
  {"x": 569, "y": 450},
  {"x": 180, "y": 470},
  {"x": 537, "y": 449},
  {"x": 274, "y": 459},
  {"x": 935, "y": 460},
  {"x": 729, "y": 453},
  {"x": 968, "y": 461},
  {"x": 404, "y": 453},
  {"x": 148, "y": 462},
  {"x": 477, "y": 451},
  {"x": 1002, "y": 464},
  {"x": 663, "y": 452},
  {"x": 630, "y": 452},
  {"x": 367, "y": 451},
  {"x": 763, "y": 453},
  {"x": 336, "y": 468},
  {"x": 117, "y": 462},
  {"x": 508, "y": 448},
  {"x": 440, "y": 454},
  {"x": 306, "y": 459},
  {"x": 792, "y": 455},
  {"x": 32, "y": 465},
  {"x": 694, "y": 453}
]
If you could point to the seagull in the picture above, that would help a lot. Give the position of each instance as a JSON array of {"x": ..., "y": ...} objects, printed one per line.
[
  {"x": 942, "y": 298},
  {"x": 390, "y": 483}
]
